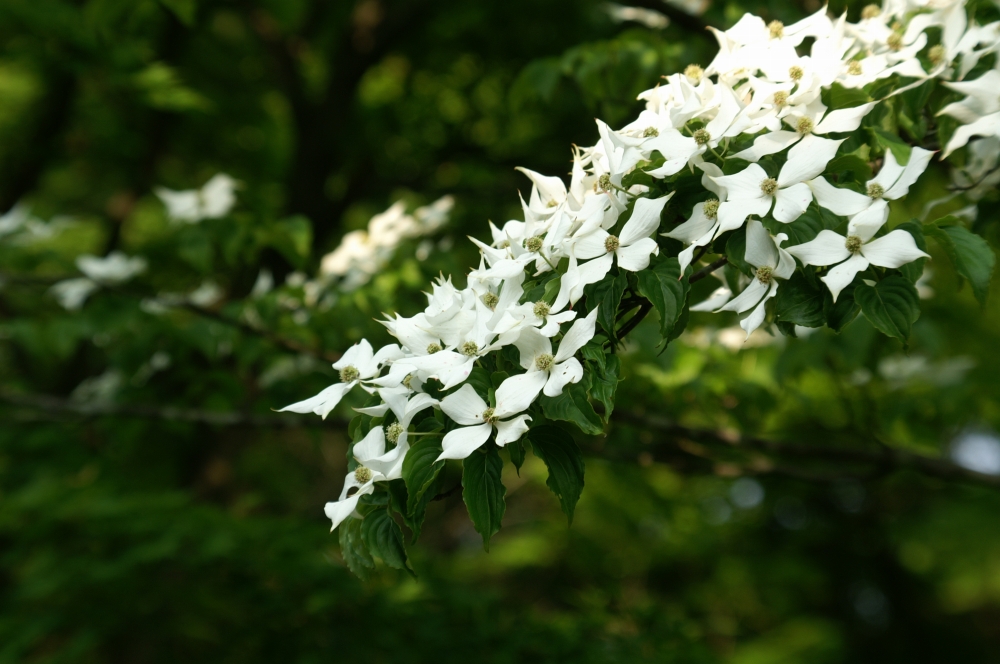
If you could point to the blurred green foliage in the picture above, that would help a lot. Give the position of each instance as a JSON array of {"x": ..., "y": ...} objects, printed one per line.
[{"x": 140, "y": 536}]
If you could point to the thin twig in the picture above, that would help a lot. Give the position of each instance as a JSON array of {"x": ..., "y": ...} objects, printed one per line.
[
  {"x": 707, "y": 270},
  {"x": 58, "y": 406}
]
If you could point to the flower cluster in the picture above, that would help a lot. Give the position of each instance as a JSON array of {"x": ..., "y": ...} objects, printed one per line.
[{"x": 780, "y": 155}]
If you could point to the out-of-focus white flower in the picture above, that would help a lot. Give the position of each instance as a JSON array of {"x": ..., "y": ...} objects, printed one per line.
[
  {"x": 647, "y": 17},
  {"x": 215, "y": 199},
  {"x": 72, "y": 293}
]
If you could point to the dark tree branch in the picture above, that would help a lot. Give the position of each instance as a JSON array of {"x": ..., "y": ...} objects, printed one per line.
[
  {"x": 885, "y": 458},
  {"x": 707, "y": 270},
  {"x": 55, "y": 406}
]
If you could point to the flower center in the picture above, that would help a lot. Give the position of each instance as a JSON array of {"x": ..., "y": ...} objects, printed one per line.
[
  {"x": 650, "y": 132},
  {"x": 611, "y": 243},
  {"x": 711, "y": 208},
  {"x": 544, "y": 361},
  {"x": 469, "y": 348},
  {"x": 393, "y": 431},
  {"x": 936, "y": 53},
  {"x": 349, "y": 373},
  {"x": 541, "y": 309},
  {"x": 765, "y": 274},
  {"x": 795, "y": 73},
  {"x": 854, "y": 68},
  {"x": 804, "y": 126},
  {"x": 780, "y": 98},
  {"x": 488, "y": 416},
  {"x": 604, "y": 182},
  {"x": 362, "y": 474},
  {"x": 875, "y": 190},
  {"x": 777, "y": 29},
  {"x": 871, "y": 11},
  {"x": 702, "y": 137},
  {"x": 491, "y": 300},
  {"x": 853, "y": 244},
  {"x": 769, "y": 186},
  {"x": 433, "y": 348},
  {"x": 694, "y": 72},
  {"x": 533, "y": 243},
  {"x": 895, "y": 41},
  {"x": 407, "y": 381},
  {"x": 551, "y": 204}
]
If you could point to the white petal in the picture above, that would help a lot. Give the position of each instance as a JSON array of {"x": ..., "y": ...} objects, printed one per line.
[
  {"x": 838, "y": 200},
  {"x": 644, "y": 220},
  {"x": 756, "y": 317},
  {"x": 340, "y": 510},
  {"x": 769, "y": 143},
  {"x": 465, "y": 406},
  {"x": 749, "y": 297},
  {"x": 892, "y": 250},
  {"x": 511, "y": 430},
  {"x": 517, "y": 392},
  {"x": 635, "y": 257},
  {"x": 744, "y": 185},
  {"x": 760, "y": 247},
  {"x": 915, "y": 167},
  {"x": 591, "y": 245},
  {"x": 371, "y": 446},
  {"x": 844, "y": 119},
  {"x": 841, "y": 276},
  {"x": 790, "y": 203},
  {"x": 460, "y": 443},
  {"x": 358, "y": 355},
  {"x": 577, "y": 336},
  {"x": 807, "y": 159},
  {"x": 695, "y": 227},
  {"x": 531, "y": 343},
  {"x": 322, "y": 403},
  {"x": 418, "y": 403},
  {"x": 826, "y": 249},
  {"x": 732, "y": 214},
  {"x": 570, "y": 371},
  {"x": 891, "y": 170},
  {"x": 988, "y": 125},
  {"x": 867, "y": 222}
]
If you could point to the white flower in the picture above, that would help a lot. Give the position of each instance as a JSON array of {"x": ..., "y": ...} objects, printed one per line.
[
  {"x": 213, "y": 200},
  {"x": 892, "y": 182},
  {"x": 979, "y": 111},
  {"x": 857, "y": 251},
  {"x": 72, "y": 293},
  {"x": 549, "y": 373},
  {"x": 633, "y": 247},
  {"x": 115, "y": 268},
  {"x": 358, "y": 363},
  {"x": 752, "y": 191},
  {"x": 813, "y": 119},
  {"x": 479, "y": 419},
  {"x": 772, "y": 263}
]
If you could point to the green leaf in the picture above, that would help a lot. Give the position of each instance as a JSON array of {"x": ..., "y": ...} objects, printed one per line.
[
  {"x": 573, "y": 406},
  {"x": 840, "y": 313},
  {"x": 892, "y": 305},
  {"x": 565, "y": 463},
  {"x": 662, "y": 285},
  {"x": 804, "y": 229},
  {"x": 483, "y": 491},
  {"x": 384, "y": 539},
  {"x": 914, "y": 269},
  {"x": 858, "y": 168},
  {"x": 354, "y": 550},
  {"x": 595, "y": 353},
  {"x": 605, "y": 383},
  {"x": 892, "y": 142},
  {"x": 607, "y": 294},
  {"x": 420, "y": 469},
  {"x": 971, "y": 255},
  {"x": 840, "y": 97},
  {"x": 799, "y": 303},
  {"x": 516, "y": 451},
  {"x": 551, "y": 290}
]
